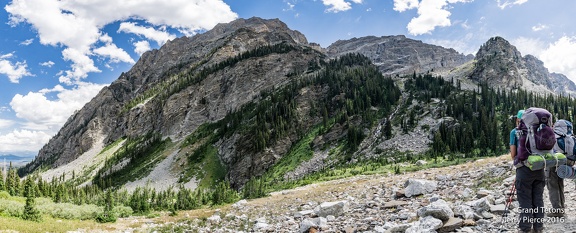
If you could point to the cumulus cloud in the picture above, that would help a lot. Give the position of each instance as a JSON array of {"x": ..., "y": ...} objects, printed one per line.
[
  {"x": 111, "y": 51},
  {"x": 403, "y": 5},
  {"x": 150, "y": 33},
  {"x": 23, "y": 141},
  {"x": 141, "y": 47},
  {"x": 431, "y": 14},
  {"x": 82, "y": 64},
  {"x": 47, "y": 64},
  {"x": 76, "y": 25},
  {"x": 14, "y": 71},
  {"x": 560, "y": 57},
  {"x": 43, "y": 113},
  {"x": 339, "y": 5},
  {"x": 506, "y": 3}
]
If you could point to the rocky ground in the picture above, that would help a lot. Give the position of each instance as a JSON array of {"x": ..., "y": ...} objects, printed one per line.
[{"x": 468, "y": 197}]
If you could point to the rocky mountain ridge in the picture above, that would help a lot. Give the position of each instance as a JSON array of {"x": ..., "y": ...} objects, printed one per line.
[
  {"x": 392, "y": 56},
  {"x": 192, "y": 82},
  {"x": 500, "y": 64}
]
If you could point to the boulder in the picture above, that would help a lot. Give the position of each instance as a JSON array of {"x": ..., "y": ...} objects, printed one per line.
[
  {"x": 336, "y": 208},
  {"x": 426, "y": 224},
  {"x": 415, "y": 187},
  {"x": 438, "y": 209},
  {"x": 451, "y": 225}
]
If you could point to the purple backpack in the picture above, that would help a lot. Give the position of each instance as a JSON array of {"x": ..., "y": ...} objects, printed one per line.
[{"x": 535, "y": 133}]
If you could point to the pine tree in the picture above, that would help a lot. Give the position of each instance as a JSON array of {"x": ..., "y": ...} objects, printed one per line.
[
  {"x": 388, "y": 129},
  {"x": 2, "y": 184},
  {"x": 12, "y": 181},
  {"x": 108, "y": 215},
  {"x": 30, "y": 211}
]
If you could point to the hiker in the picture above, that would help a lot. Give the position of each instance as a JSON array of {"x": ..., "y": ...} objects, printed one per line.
[
  {"x": 529, "y": 184},
  {"x": 555, "y": 184}
]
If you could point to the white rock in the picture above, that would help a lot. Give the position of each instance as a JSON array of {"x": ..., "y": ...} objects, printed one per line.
[
  {"x": 414, "y": 187},
  {"x": 336, "y": 208}
]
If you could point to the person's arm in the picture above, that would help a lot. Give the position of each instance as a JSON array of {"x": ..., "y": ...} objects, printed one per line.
[
  {"x": 513, "y": 151},
  {"x": 513, "y": 142}
]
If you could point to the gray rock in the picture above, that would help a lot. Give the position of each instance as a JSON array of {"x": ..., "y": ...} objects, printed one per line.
[
  {"x": 318, "y": 223},
  {"x": 439, "y": 209},
  {"x": 331, "y": 208},
  {"x": 414, "y": 187},
  {"x": 498, "y": 209},
  {"x": 464, "y": 211},
  {"x": 304, "y": 213},
  {"x": 480, "y": 205},
  {"x": 394, "y": 204},
  {"x": 451, "y": 225},
  {"x": 214, "y": 219},
  {"x": 425, "y": 224}
]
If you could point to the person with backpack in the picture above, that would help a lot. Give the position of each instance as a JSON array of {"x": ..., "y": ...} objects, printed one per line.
[
  {"x": 564, "y": 144},
  {"x": 533, "y": 135}
]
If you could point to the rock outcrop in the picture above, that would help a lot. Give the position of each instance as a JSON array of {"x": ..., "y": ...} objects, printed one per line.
[{"x": 500, "y": 64}]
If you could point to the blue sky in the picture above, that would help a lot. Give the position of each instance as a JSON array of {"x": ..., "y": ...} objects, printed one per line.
[{"x": 56, "y": 55}]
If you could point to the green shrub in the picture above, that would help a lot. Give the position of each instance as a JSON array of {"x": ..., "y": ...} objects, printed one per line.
[
  {"x": 11, "y": 208},
  {"x": 4, "y": 195},
  {"x": 69, "y": 211},
  {"x": 122, "y": 211},
  {"x": 104, "y": 217}
]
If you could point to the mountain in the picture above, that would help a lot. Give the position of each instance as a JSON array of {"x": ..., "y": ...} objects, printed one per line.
[
  {"x": 400, "y": 55},
  {"x": 500, "y": 64},
  {"x": 253, "y": 100}
]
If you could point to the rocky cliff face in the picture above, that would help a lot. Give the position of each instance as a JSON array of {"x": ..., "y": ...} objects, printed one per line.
[
  {"x": 116, "y": 112},
  {"x": 500, "y": 64},
  {"x": 400, "y": 55}
]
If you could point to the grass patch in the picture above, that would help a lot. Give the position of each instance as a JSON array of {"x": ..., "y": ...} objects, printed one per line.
[{"x": 47, "y": 225}]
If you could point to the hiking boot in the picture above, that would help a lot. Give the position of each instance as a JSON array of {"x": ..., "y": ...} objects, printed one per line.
[{"x": 555, "y": 215}]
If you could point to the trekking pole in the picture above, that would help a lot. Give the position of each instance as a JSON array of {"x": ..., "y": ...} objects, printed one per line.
[{"x": 512, "y": 192}]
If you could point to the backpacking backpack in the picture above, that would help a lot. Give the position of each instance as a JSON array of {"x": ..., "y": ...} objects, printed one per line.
[
  {"x": 565, "y": 140},
  {"x": 535, "y": 133}
]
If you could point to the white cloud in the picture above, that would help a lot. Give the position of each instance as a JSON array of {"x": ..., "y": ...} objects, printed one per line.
[
  {"x": 23, "y": 141},
  {"x": 539, "y": 27},
  {"x": 14, "y": 71},
  {"x": 111, "y": 51},
  {"x": 560, "y": 57},
  {"x": 81, "y": 66},
  {"x": 42, "y": 113},
  {"x": 150, "y": 33},
  {"x": 27, "y": 42},
  {"x": 47, "y": 64},
  {"x": 6, "y": 56},
  {"x": 506, "y": 3},
  {"x": 403, "y": 5},
  {"x": 431, "y": 14},
  {"x": 5, "y": 123},
  {"x": 339, "y": 5},
  {"x": 76, "y": 25},
  {"x": 290, "y": 6},
  {"x": 141, "y": 47}
]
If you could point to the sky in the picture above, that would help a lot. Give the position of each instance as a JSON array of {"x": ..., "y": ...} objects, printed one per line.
[{"x": 55, "y": 55}]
